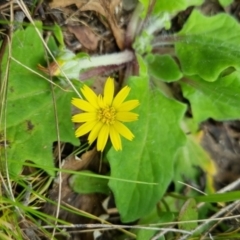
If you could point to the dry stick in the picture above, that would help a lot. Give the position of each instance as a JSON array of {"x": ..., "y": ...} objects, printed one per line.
[
  {"x": 194, "y": 221},
  {"x": 221, "y": 212},
  {"x": 93, "y": 217},
  {"x": 218, "y": 222},
  {"x": 194, "y": 188},
  {"x": 59, "y": 158},
  {"x": 229, "y": 187},
  {"x": 104, "y": 226},
  {"x": 156, "y": 237}
]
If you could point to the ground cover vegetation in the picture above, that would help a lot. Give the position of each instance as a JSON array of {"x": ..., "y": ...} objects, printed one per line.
[{"x": 120, "y": 119}]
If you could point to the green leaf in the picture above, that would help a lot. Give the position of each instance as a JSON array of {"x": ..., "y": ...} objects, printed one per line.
[
  {"x": 188, "y": 212},
  {"x": 189, "y": 157},
  {"x": 208, "y": 45},
  {"x": 218, "y": 100},
  {"x": 143, "y": 70},
  {"x": 168, "y": 6},
  {"x": 175, "y": 5},
  {"x": 142, "y": 43},
  {"x": 225, "y": 3},
  {"x": 89, "y": 184},
  {"x": 164, "y": 68},
  {"x": 144, "y": 234},
  {"x": 82, "y": 55},
  {"x": 150, "y": 156},
  {"x": 153, "y": 218},
  {"x": 30, "y": 119},
  {"x": 59, "y": 35}
]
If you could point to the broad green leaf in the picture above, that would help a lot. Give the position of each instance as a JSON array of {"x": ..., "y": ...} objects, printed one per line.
[
  {"x": 208, "y": 45},
  {"x": 168, "y": 6},
  {"x": 225, "y": 3},
  {"x": 30, "y": 119},
  {"x": 175, "y": 5},
  {"x": 218, "y": 100},
  {"x": 150, "y": 156},
  {"x": 188, "y": 212},
  {"x": 89, "y": 184},
  {"x": 189, "y": 157},
  {"x": 164, "y": 68}
]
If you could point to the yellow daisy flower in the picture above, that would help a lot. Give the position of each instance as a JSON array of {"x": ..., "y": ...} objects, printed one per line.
[{"x": 104, "y": 115}]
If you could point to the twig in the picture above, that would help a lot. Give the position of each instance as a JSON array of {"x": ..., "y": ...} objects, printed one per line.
[
  {"x": 219, "y": 221},
  {"x": 213, "y": 218},
  {"x": 229, "y": 187},
  {"x": 115, "y": 227}
]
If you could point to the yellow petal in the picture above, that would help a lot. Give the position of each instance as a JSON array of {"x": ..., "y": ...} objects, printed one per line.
[
  {"x": 123, "y": 130},
  {"x": 100, "y": 101},
  {"x": 121, "y": 96},
  {"x": 126, "y": 116},
  {"x": 103, "y": 137},
  {"x": 115, "y": 139},
  {"x": 84, "y": 117},
  {"x": 128, "y": 106},
  {"x": 95, "y": 132},
  {"x": 90, "y": 95},
  {"x": 83, "y": 105},
  {"x": 108, "y": 91},
  {"x": 85, "y": 128}
]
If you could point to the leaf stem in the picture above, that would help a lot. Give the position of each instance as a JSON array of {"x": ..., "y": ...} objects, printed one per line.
[{"x": 108, "y": 59}]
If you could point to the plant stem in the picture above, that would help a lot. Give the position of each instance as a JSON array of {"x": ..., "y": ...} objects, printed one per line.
[{"x": 108, "y": 59}]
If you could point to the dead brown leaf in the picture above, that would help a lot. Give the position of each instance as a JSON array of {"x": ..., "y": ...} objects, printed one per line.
[
  {"x": 71, "y": 163},
  {"x": 64, "y": 3},
  {"x": 106, "y": 8},
  {"x": 85, "y": 36}
]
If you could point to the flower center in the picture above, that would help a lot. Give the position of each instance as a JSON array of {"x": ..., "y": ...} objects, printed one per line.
[{"x": 107, "y": 115}]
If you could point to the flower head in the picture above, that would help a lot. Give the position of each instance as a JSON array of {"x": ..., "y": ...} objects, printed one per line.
[{"x": 103, "y": 115}]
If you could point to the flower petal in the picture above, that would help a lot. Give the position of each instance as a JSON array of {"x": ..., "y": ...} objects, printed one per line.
[
  {"x": 128, "y": 106},
  {"x": 121, "y": 96},
  {"x": 95, "y": 132},
  {"x": 90, "y": 96},
  {"x": 126, "y": 116},
  {"x": 100, "y": 101},
  {"x": 85, "y": 128},
  {"x": 115, "y": 139},
  {"x": 84, "y": 117},
  {"x": 83, "y": 105},
  {"x": 103, "y": 137},
  {"x": 123, "y": 130},
  {"x": 108, "y": 91}
]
